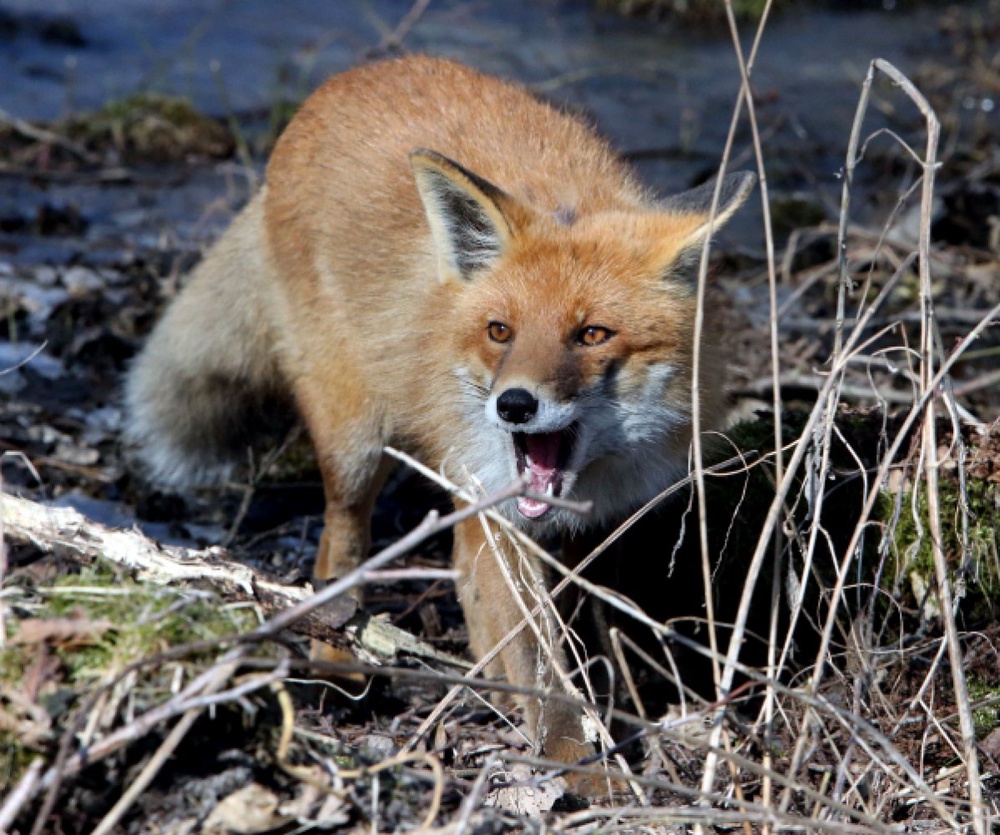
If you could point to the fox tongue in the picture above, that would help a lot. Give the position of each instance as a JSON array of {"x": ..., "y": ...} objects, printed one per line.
[{"x": 542, "y": 471}]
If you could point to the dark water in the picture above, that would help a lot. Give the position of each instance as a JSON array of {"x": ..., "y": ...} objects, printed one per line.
[{"x": 657, "y": 90}]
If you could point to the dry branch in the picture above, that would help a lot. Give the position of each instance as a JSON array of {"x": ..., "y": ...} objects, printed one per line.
[{"x": 66, "y": 533}]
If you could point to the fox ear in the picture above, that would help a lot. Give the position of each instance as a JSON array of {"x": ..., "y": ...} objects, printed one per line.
[
  {"x": 465, "y": 212},
  {"x": 696, "y": 206}
]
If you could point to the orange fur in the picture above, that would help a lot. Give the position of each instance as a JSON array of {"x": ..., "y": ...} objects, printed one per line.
[{"x": 508, "y": 301}]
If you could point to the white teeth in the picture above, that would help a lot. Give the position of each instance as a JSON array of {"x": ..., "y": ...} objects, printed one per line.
[
  {"x": 550, "y": 489},
  {"x": 527, "y": 461}
]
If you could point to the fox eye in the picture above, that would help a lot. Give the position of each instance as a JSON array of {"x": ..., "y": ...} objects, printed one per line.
[
  {"x": 499, "y": 332},
  {"x": 593, "y": 335}
]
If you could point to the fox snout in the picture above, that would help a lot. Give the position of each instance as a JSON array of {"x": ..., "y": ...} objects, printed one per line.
[
  {"x": 517, "y": 406},
  {"x": 518, "y": 409}
]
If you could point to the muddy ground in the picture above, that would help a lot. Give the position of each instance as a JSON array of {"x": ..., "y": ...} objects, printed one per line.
[{"x": 128, "y": 139}]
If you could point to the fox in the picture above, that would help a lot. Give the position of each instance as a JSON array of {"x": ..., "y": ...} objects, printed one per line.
[{"x": 442, "y": 262}]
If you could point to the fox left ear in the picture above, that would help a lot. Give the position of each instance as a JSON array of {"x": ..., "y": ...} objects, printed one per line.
[
  {"x": 466, "y": 214},
  {"x": 696, "y": 205}
]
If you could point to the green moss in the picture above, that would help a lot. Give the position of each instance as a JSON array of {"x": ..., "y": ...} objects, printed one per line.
[
  {"x": 143, "y": 619},
  {"x": 154, "y": 128},
  {"x": 15, "y": 757},
  {"x": 987, "y": 718},
  {"x": 973, "y": 571},
  {"x": 130, "y": 621}
]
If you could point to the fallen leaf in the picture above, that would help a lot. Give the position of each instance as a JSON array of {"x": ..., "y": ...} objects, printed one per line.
[
  {"x": 523, "y": 799},
  {"x": 250, "y": 809}
]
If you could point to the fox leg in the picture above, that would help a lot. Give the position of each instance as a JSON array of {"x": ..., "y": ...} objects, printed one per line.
[
  {"x": 347, "y": 437},
  {"x": 346, "y": 537},
  {"x": 348, "y": 440},
  {"x": 497, "y": 586}
]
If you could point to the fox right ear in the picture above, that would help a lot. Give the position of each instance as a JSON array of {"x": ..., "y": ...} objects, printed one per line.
[
  {"x": 465, "y": 213},
  {"x": 697, "y": 205}
]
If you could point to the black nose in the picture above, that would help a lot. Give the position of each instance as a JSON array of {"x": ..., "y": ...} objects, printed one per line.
[{"x": 517, "y": 406}]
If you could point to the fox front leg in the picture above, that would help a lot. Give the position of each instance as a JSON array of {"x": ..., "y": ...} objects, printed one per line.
[
  {"x": 499, "y": 587},
  {"x": 348, "y": 444}
]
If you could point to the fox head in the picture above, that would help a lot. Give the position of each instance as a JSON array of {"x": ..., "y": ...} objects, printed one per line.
[{"x": 575, "y": 336}]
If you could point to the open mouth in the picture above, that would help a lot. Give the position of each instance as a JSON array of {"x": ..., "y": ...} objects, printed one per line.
[{"x": 541, "y": 461}]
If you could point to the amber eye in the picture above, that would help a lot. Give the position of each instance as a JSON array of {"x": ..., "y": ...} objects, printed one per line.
[
  {"x": 594, "y": 335},
  {"x": 499, "y": 332}
]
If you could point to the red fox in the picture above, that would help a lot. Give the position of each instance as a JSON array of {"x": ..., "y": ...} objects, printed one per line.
[{"x": 441, "y": 262}]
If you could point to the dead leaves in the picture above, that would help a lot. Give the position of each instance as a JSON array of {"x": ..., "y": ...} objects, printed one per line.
[
  {"x": 23, "y": 710},
  {"x": 65, "y": 632}
]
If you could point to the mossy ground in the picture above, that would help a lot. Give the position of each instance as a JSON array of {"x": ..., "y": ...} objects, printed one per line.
[
  {"x": 77, "y": 632},
  {"x": 986, "y": 717},
  {"x": 153, "y": 127},
  {"x": 971, "y": 516},
  {"x": 658, "y": 563}
]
